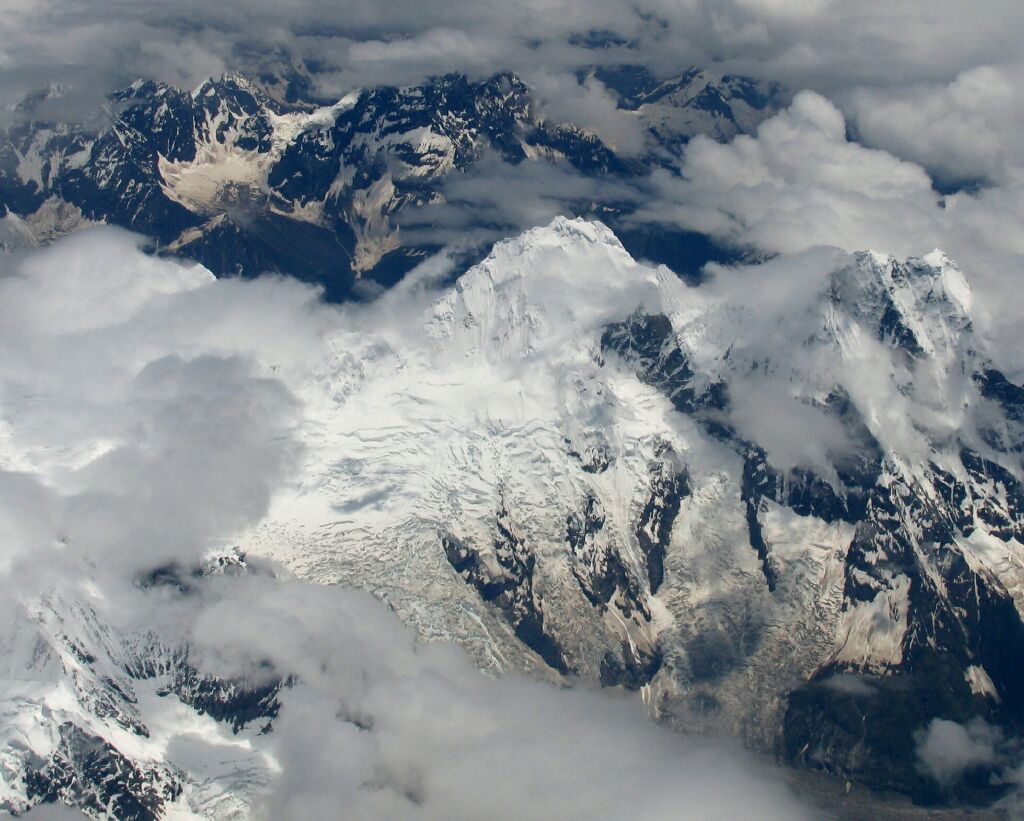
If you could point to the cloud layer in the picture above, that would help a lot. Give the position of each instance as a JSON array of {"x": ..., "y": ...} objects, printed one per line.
[
  {"x": 818, "y": 43},
  {"x": 147, "y": 411},
  {"x": 946, "y": 749},
  {"x": 958, "y": 69}
]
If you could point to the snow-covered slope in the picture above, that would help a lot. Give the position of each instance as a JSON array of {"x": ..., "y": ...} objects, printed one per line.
[{"x": 483, "y": 457}]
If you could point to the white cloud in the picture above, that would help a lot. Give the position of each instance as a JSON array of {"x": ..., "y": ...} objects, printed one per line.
[
  {"x": 967, "y": 129},
  {"x": 173, "y": 435},
  {"x": 444, "y": 741},
  {"x": 796, "y": 184},
  {"x": 851, "y": 685},
  {"x": 587, "y": 104},
  {"x": 945, "y": 749},
  {"x": 496, "y": 199}
]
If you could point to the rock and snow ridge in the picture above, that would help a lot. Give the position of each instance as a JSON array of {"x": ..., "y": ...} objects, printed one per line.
[
  {"x": 735, "y": 499},
  {"x": 244, "y": 182}
]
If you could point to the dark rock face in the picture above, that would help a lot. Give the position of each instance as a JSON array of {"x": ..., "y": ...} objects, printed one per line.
[
  {"x": 234, "y": 700},
  {"x": 595, "y": 457},
  {"x": 237, "y": 702},
  {"x": 268, "y": 242},
  {"x": 997, "y": 498},
  {"x": 1009, "y": 396},
  {"x": 606, "y": 581},
  {"x": 598, "y": 569},
  {"x": 632, "y": 670},
  {"x": 654, "y": 529},
  {"x": 958, "y": 616},
  {"x": 88, "y": 772},
  {"x": 510, "y": 588},
  {"x": 85, "y": 771},
  {"x": 798, "y": 489},
  {"x": 908, "y": 564},
  {"x": 869, "y": 736},
  {"x": 647, "y": 344},
  {"x": 1003, "y": 429},
  {"x": 604, "y": 577}
]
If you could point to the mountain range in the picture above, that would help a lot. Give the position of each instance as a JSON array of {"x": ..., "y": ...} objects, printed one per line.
[
  {"x": 245, "y": 182},
  {"x": 779, "y": 501}
]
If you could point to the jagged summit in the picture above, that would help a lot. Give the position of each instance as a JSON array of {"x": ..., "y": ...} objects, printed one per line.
[
  {"x": 244, "y": 181},
  {"x": 524, "y": 300},
  {"x": 675, "y": 109}
]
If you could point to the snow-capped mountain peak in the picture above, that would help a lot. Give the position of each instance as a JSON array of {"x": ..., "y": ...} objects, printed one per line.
[
  {"x": 790, "y": 495},
  {"x": 524, "y": 300}
]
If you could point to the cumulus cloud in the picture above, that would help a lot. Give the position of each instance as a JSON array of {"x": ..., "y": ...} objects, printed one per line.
[
  {"x": 964, "y": 131},
  {"x": 495, "y": 199},
  {"x": 175, "y": 440},
  {"x": 148, "y": 414},
  {"x": 851, "y": 685},
  {"x": 946, "y": 749},
  {"x": 393, "y": 729},
  {"x": 798, "y": 183}
]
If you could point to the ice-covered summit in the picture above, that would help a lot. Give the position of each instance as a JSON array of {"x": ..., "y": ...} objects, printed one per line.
[{"x": 548, "y": 289}]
